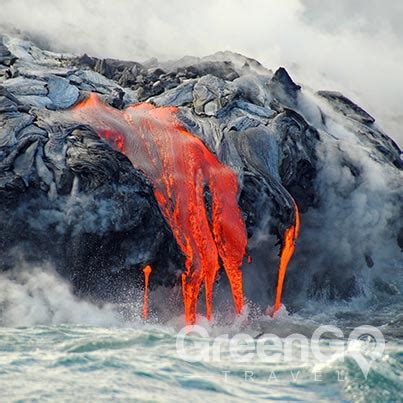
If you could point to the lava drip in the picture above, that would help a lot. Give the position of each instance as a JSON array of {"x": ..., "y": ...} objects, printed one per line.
[
  {"x": 181, "y": 169},
  {"x": 147, "y": 271},
  {"x": 287, "y": 250}
]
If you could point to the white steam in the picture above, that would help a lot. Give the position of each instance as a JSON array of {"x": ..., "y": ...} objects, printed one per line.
[
  {"x": 38, "y": 296},
  {"x": 354, "y": 47},
  {"x": 359, "y": 215}
]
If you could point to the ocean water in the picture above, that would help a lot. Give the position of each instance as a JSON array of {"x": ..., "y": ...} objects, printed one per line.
[
  {"x": 54, "y": 347},
  {"x": 141, "y": 363}
]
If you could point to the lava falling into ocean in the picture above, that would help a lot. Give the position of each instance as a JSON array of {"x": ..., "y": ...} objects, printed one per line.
[
  {"x": 290, "y": 237},
  {"x": 147, "y": 271},
  {"x": 182, "y": 169}
]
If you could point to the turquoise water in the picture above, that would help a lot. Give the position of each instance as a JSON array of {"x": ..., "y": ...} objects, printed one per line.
[
  {"x": 55, "y": 347},
  {"x": 86, "y": 363}
]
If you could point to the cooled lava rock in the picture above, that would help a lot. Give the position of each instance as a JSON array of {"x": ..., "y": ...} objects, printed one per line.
[{"x": 67, "y": 197}]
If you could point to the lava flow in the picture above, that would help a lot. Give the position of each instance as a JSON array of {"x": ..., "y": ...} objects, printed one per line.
[
  {"x": 181, "y": 169},
  {"x": 147, "y": 272},
  {"x": 290, "y": 237}
]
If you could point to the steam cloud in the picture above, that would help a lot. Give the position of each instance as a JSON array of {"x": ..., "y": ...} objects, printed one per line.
[
  {"x": 33, "y": 295},
  {"x": 353, "y": 47},
  {"x": 358, "y": 219}
]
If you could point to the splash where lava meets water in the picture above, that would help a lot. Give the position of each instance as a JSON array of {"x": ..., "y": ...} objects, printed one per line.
[{"x": 181, "y": 168}]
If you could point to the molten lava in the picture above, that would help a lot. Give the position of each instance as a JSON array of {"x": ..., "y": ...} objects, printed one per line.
[
  {"x": 147, "y": 272},
  {"x": 181, "y": 169},
  {"x": 290, "y": 237}
]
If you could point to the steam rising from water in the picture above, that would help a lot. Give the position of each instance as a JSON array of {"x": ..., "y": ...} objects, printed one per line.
[
  {"x": 354, "y": 230},
  {"x": 33, "y": 295},
  {"x": 353, "y": 47}
]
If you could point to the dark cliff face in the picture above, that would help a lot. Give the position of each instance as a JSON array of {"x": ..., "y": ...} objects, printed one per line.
[{"x": 67, "y": 197}]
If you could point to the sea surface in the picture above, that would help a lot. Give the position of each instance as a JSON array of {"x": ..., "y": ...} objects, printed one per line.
[
  {"x": 57, "y": 347},
  {"x": 138, "y": 361}
]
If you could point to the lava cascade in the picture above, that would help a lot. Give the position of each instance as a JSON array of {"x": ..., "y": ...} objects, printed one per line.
[
  {"x": 287, "y": 250},
  {"x": 147, "y": 271},
  {"x": 181, "y": 169}
]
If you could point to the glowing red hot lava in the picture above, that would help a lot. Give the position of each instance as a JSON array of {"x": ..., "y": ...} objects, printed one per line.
[
  {"x": 290, "y": 237},
  {"x": 181, "y": 168},
  {"x": 147, "y": 271}
]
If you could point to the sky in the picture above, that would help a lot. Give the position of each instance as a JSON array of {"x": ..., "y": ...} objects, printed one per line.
[{"x": 355, "y": 47}]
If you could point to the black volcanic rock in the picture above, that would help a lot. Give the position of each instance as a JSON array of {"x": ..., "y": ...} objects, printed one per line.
[
  {"x": 283, "y": 89},
  {"x": 6, "y": 57},
  {"x": 68, "y": 198},
  {"x": 346, "y": 106}
]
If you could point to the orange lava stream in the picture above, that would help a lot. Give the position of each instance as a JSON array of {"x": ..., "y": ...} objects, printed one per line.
[
  {"x": 181, "y": 168},
  {"x": 290, "y": 237},
  {"x": 147, "y": 271}
]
